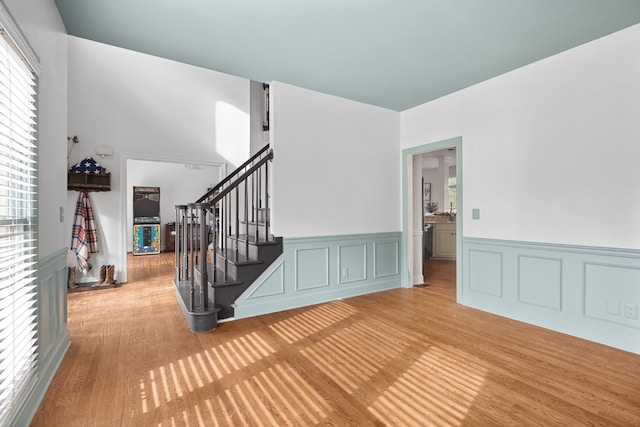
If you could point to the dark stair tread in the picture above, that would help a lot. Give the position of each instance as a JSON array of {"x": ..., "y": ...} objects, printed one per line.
[
  {"x": 252, "y": 240},
  {"x": 237, "y": 258},
  {"x": 227, "y": 284}
]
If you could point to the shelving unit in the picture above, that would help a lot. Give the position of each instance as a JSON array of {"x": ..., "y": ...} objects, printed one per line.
[{"x": 83, "y": 181}]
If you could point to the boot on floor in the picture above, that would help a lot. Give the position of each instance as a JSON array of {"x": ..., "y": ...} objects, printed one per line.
[
  {"x": 110, "y": 273},
  {"x": 103, "y": 276},
  {"x": 71, "y": 278}
]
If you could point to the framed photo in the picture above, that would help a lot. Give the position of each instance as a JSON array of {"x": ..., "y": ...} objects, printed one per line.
[
  {"x": 426, "y": 192},
  {"x": 426, "y": 197}
]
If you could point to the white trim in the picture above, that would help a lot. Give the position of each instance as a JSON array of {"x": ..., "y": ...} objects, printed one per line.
[{"x": 14, "y": 35}]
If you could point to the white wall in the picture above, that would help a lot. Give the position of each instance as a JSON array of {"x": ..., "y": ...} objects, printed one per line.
[
  {"x": 179, "y": 183},
  {"x": 335, "y": 169},
  {"x": 533, "y": 139},
  {"x": 42, "y": 26},
  {"x": 147, "y": 108}
]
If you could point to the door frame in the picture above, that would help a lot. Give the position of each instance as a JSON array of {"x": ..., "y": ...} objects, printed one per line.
[
  {"x": 407, "y": 204},
  {"x": 124, "y": 200}
]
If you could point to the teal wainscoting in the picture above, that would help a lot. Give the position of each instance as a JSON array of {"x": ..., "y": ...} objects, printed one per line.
[
  {"x": 320, "y": 269},
  {"x": 589, "y": 292},
  {"x": 53, "y": 335}
]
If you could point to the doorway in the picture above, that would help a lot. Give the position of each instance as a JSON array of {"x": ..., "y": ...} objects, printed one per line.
[
  {"x": 180, "y": 181},
  {"x": 413, "y": 216}
]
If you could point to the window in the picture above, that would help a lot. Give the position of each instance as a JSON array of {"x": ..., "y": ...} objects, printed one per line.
[{"x": 18, "y": 221}]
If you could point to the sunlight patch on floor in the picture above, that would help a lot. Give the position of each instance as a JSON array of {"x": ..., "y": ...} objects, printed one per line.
[
  {"x": 312, "y": 321},
  {"x": 356, "y": 352},
  {"x": 235, "y": 355},
  {"x": 172, "y": 381},
  {"x": 438, "y": 389},
  {"x": 277, "y": 396}
]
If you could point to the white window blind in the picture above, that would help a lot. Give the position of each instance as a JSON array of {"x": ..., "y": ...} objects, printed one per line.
[{"x": 18, "y": 226}]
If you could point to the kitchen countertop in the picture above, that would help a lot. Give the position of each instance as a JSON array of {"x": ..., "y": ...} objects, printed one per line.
[{"x": 439, "y": 219}]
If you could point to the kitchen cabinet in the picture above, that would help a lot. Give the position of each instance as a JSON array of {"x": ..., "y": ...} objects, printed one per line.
[{"x": 444, "y": 241}]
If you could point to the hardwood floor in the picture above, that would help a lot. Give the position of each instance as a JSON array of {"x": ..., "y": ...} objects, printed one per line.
[{"x": 406, "y": 357}]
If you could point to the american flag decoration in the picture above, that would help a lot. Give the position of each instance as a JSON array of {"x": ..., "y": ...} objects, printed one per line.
[{"x": 88, "y": 166}]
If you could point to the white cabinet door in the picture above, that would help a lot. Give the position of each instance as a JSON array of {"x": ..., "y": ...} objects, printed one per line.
[{"x": 444, "y": 241}]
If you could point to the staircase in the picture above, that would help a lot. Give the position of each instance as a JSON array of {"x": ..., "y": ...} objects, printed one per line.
[{"x": 232, "y": 221}]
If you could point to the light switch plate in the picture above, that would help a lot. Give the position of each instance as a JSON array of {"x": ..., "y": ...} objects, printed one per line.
[{"x": 475, "y": 213}]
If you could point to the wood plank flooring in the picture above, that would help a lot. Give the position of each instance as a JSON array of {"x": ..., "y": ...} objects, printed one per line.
[{"x": 406, "y": 357}]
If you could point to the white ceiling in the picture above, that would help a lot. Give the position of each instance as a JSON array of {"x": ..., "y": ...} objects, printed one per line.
[{"x": 392, "y": 53}]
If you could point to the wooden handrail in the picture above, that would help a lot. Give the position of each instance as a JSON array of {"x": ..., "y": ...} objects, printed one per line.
[
  {"x": 241, "y": 178},
  {"x": 229, "y": 177}
]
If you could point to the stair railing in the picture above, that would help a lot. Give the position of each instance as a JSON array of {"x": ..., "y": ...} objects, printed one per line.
[
  {"x": 264, "y": 151},
  {"x": 235, "y": 211}
]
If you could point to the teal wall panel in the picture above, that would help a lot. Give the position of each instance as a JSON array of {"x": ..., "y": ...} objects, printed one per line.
[
  {"x": 386, "y": 259},
  {"x": 312, "y": 268},
  {"x": 540, "y": 281},
  {"x": 320, "y": 269},
  {"x": 352, "y": 263},
  {"x": 53, "y": 335},
  {"x": 609, "y": 290},
  {"x": 487, "y": 268},
  {"x": 589, "y": 292},
  {"x": 273, "y": 281}
]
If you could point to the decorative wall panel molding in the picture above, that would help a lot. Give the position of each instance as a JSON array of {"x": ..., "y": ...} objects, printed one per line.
[
  {"x": 352, "y": 263},
  {"x": 386, "y": 258},
  {"x": 320, "y": 269},
  {"x": 612, "y": 293},
  {"x": 312, "y": 268},
  {"x": 589, "y": 292},
  {"x": 540, "y": 281},
  {"x": 487, "y": 268},
  {"x": 53, "y": 335},
  {"x": 273, "y": 281}
]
